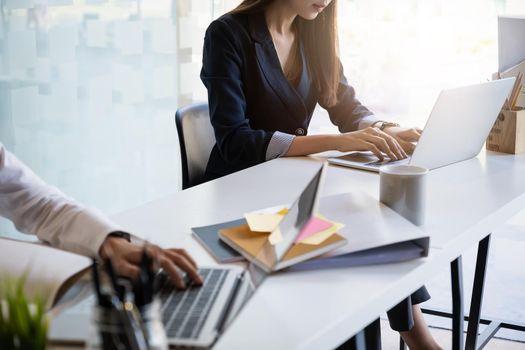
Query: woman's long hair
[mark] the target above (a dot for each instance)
(320, 43)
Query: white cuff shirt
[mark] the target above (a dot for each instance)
(40, 209)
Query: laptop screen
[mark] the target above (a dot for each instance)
(273, 250)
(288, 230)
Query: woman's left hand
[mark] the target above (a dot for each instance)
(405, 136)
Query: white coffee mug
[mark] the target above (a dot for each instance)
(403, 188)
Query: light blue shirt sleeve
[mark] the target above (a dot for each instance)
(368, 121)
(279, 145)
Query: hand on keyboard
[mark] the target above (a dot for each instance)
(405, 137)
(370, 139)
(126, 257)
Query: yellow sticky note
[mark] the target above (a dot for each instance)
(276, 236)
(263, 222)
(283, 211)
(321, 236)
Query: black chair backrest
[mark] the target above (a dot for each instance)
(196, 139)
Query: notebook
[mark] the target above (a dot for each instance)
(375, 234)
(280, 248)
(249, 243)
(208, 237)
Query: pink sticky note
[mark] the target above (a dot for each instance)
(313, 226)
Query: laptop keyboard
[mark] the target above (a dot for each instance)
(184, 312)
(379, 163)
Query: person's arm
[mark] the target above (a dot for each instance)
(348, 113)
(356, 124)
(406, 137)
(40, 209)
(221, 74)
(369, 139)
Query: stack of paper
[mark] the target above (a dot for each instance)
(374, 234)
(319, 235)
(257, 238)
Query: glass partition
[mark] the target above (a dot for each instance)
(89, 88)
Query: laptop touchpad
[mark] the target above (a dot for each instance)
(360, 157)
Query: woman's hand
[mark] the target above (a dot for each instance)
(405, 137)
(126, 258)
(371, 139)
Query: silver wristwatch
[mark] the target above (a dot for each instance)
(384, 124)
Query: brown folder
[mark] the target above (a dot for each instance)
(250, 244)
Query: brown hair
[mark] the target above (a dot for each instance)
(320, 43)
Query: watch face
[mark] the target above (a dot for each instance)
(388, 124)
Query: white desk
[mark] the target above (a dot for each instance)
(321, 309)
(466, 200)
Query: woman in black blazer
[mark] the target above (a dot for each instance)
(266, 65)
(262, 96)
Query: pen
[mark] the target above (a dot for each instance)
(131, 322)
(143, 287)
(102, 299)
(118, 288)
(127, 311)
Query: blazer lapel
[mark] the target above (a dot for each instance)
(271, 68)
(305, 85)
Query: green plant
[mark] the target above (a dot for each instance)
(23, 322)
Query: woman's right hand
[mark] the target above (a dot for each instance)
(371, 139)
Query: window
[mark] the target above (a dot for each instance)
(88, 89)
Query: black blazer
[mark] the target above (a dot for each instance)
(249, 97)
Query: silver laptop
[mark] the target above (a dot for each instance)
(456, 129)
(196, 317)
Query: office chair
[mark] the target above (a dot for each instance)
(196, 139)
